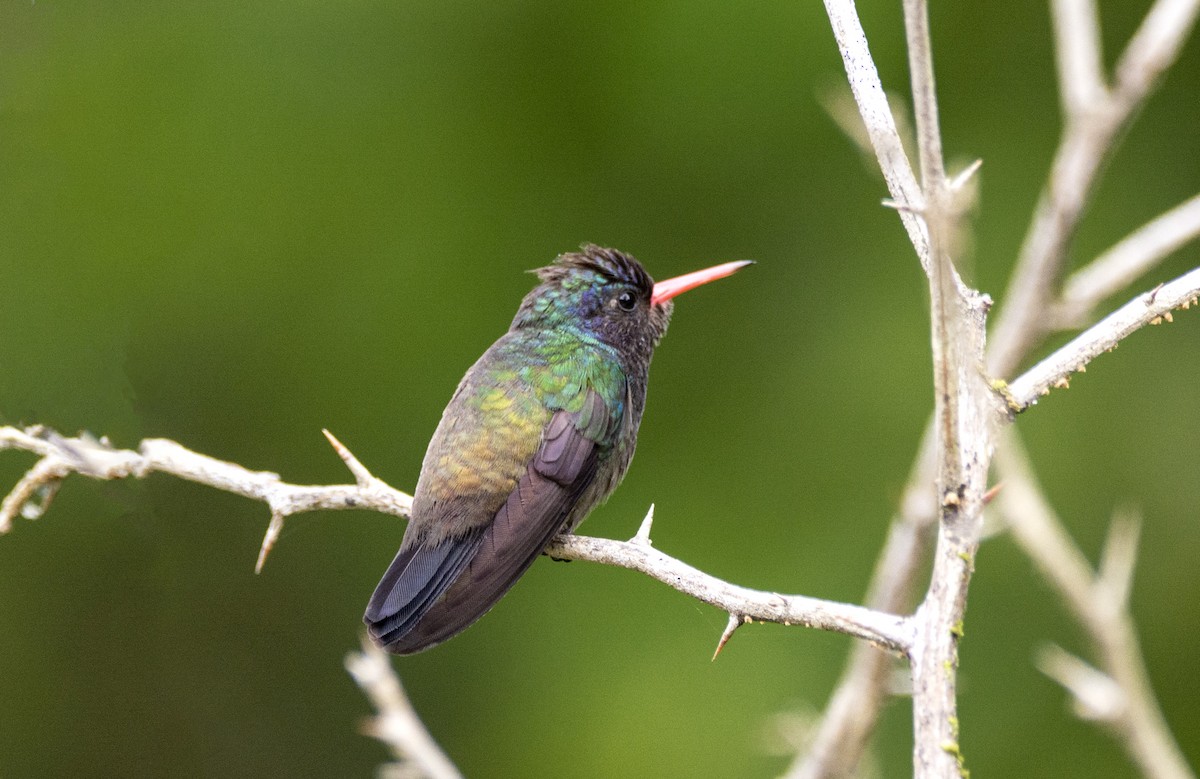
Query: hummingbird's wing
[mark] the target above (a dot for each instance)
(431, 592)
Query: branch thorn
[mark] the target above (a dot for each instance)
(959, 181)
(1097, 697)
(360, 472)
(269, 539)
(735, 622)
(33, 493)
(905, 208)
(643, 534)
(1115, 573)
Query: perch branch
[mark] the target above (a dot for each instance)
(886, 630)
(84, 455)
(1099, 601)
(397, 724)
(97, 459)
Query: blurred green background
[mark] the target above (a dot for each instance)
(233, 224)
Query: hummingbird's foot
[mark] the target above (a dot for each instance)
(558, 559)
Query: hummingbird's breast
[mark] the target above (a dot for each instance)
(494, 424)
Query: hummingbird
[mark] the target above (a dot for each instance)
(540, 431)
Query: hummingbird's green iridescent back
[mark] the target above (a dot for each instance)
(541, 429)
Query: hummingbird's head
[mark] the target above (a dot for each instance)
(608, 295)
(601, 292)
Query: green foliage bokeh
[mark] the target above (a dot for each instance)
(233, 224)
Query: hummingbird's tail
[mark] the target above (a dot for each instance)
(431, 593)
(412, 584)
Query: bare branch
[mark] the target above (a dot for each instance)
(1154, 48)
(853, 710)
(1153, 307)
(881, 126)
(1097, 696)
(1124, 263)
(61, 456)
(963, 416)
(885, 630)
(1089, 139)
(1077, 46)
(963, 423)
(1090, 136)
(397, 724)
(925, 109)
(1100, 606)
(1115, 573)
(83, 455)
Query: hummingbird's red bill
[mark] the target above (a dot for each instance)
(665, 290)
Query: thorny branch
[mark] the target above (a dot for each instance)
(852, 712)
(61, 456)
(742, 604)
(1124, 263)
(963, 424)
(880, 124)
(96, 458)
(1150, 308)
(1095, 117)
(397, 724)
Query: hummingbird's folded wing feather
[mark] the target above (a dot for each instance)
(414, 580)
(439, 590)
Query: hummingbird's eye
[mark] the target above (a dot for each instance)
(626, 301)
